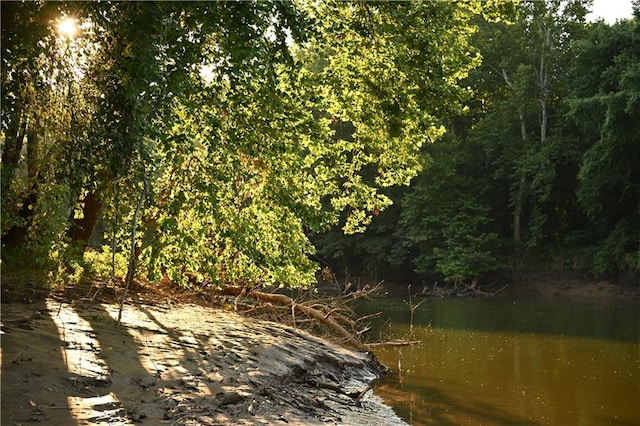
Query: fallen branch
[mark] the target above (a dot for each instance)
(15, 358)
(359, 394)
(393, 343)
(459, 289)
(355, 395)
(283, 300)
(368, 317)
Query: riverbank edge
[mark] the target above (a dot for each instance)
(188, 364)
(574, 288)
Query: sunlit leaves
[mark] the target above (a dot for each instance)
(247, 146)
(389, 71)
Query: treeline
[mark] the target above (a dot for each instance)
(538, 177)
(201, 142)
(224, 142)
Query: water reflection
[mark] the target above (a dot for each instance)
(500, 362)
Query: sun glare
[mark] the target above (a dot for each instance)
(67, 27)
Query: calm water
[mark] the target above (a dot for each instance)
(512, 362)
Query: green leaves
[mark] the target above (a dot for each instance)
(248, 146)
(276, 146)
(445, 217)
(389, 73)
(604, 107)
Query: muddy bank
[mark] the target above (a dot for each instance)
(179, 364)
(566, 288)
(574, 289)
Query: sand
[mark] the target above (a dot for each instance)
(177, 364)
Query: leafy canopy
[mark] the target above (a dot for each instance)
(232, 112)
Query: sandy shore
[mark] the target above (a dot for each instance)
(178, 364)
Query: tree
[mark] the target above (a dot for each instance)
(201, 129)
(45, 117)
(544, 154)
(445, 217)
(605, 107)
(531, 57)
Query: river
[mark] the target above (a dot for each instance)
(506, 361)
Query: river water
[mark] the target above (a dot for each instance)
(507, 361)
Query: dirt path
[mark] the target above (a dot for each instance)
(176, 364)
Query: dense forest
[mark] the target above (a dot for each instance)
(257, 142)
(539, 174)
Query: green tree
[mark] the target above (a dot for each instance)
(605, 107)
(419, 234)
(531, 57)
(200, 128)
(544, 155)
(46, 109)
(445, 218)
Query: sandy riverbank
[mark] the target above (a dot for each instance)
(178, 364)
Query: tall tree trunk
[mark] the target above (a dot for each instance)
(11, 153)
(517, 210)
(522, 182)
(10, 158)
(28, 195)
(522, 185)
(543, 77)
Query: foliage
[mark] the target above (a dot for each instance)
(263, 128)
(235, 134)
(99, 263)
(445, 218)
(546, 145)
(606, 106)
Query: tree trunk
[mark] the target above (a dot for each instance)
(543, 78)
(28, 195)
(522, 185)
(10, 158)
(133, 255)
(11, 155)
(517, 210)
(81, 229)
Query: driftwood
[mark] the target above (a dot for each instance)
(458, 289)
(321, 317)
(394, 343)
(356, 395)
(330, 314)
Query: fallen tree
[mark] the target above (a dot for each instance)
(324, 315)
(329, 313)
(313, 312)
